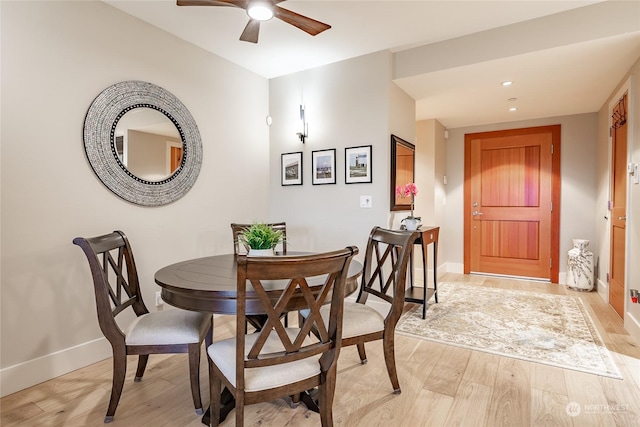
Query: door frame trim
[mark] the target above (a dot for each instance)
(556, 180)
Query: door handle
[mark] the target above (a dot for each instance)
(622, 218)
(474, 213)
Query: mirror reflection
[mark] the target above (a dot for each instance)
(148, 144)
(402, 170)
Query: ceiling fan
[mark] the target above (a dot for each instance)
(263, 10)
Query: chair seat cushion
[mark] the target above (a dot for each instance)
(223, 354)
(173, 326)
(358, 319)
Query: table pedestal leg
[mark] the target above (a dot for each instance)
(310, 399)
(228, 403)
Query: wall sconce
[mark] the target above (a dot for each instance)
(305, 129)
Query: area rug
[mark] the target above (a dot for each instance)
(551, 329)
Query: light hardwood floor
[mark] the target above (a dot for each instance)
(441, 386)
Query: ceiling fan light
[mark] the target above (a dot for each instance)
(260, 11)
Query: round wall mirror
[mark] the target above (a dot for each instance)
(148, 144)
(142, 143)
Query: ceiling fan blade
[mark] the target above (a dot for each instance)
(306, 24)
(250, 33)
(236, 3)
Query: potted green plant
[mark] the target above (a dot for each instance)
(260, 238)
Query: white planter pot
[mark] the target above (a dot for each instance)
(260, 252)
(411, 223)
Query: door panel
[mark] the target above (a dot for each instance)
(510, 239)
(508, 193)
(510, 176)
(619, 206)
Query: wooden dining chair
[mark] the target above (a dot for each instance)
(116, 286)
(237, 230)
(278, 361)
(384, 276)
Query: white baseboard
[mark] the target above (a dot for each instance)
(562, 278)
(26, 374)
(603, 290)
(452, 267)
(632, 325)
(447, 267)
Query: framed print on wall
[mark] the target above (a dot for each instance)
(291, 165)
(323, 166)
(357, 163)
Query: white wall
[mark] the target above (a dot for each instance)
(349, 103)
(578, 213)
(431, 170)
(430, 173)
(56, 58)
(425, 165)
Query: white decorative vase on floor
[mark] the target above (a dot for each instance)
(580, 273)
(260, 252)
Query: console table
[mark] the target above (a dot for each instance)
(427, 235)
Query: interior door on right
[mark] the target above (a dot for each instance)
(618, 205)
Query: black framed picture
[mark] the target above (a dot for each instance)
(291, 165)
(323, 166)
(357, 164)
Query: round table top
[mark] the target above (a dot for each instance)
(209, 284)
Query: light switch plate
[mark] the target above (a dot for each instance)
(365, 201)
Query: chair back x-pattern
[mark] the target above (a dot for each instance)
(383, 276)
(115, 280)
(306, 282)
(385, 265)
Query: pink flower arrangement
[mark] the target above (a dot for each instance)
(409, 190)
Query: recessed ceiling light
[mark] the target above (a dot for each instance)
(512, 99)
(513, 109)
(507, 83)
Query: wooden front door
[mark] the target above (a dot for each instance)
(512, 202)
(618, 205)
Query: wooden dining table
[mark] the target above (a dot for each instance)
(209, 284)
